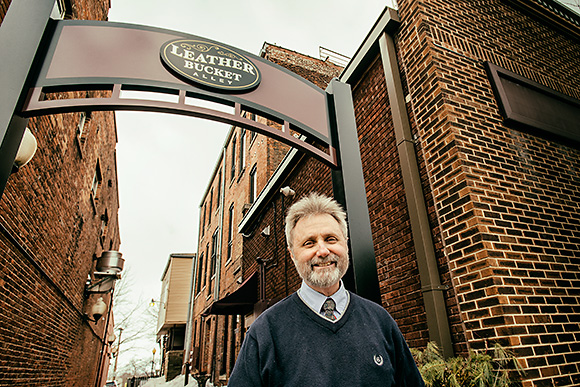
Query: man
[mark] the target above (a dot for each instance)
(323, 335)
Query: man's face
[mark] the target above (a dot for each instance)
(320, 252)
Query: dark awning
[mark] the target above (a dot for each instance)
(239, 302)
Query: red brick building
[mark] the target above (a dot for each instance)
(467, 116)
(243, 169)
(57, 214)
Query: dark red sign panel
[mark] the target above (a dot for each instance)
(103, 55)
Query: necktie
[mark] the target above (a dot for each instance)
(328, 309)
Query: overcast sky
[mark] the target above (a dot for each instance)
(165, 161)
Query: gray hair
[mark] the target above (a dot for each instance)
(314, 204)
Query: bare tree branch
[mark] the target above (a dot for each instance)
(138, 322)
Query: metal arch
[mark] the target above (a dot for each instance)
(36, 106)
(27, 41)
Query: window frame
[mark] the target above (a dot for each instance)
(253, 190)
(230, 233)
(233, 160)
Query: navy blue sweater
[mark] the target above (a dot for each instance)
(291, 345)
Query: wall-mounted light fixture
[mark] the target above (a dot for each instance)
(108, 270)
(98, 309)
(26, 151)
(153, 302)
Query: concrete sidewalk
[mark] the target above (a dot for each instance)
(177, 382)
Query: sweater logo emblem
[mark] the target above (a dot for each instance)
(378, 360)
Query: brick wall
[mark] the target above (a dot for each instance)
(52, 223)
(396, 261)
(506, 200)
(315, 70)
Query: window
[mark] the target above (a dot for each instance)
(83, 127)
(219, 188)
(206, 257)
(253, 117)
(233, 165)
(203, 222)
(199, 274)
(232, 345)
(104, 225)
(242, 154)
(525, 104)
(97, 180)
(225, 333)
(230, 232)
(210, 204)
(214, 247)
(253, 184)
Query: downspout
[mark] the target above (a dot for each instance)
(218, 271)
(189, 324)
(433, 297)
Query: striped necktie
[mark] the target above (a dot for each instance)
(328, 309)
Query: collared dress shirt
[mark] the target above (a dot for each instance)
(314, 299)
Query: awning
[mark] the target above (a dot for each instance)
(239, 302)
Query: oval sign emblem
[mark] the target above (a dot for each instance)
(210, 64)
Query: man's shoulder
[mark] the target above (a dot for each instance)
(368, 305)
(279, 308)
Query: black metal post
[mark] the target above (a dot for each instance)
(104, 341)
(21, 33)
(349, 190)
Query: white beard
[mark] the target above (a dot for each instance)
(326, 277)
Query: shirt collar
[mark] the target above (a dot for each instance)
(314, 299)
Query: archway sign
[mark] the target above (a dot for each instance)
(45, 56)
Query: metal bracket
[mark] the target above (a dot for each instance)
(103, 285)
(431, 288)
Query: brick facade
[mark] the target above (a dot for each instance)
(506, 200)
(217, 338)
(54, 221)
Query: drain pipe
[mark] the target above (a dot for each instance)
(218, 248)
(189, 321)
(433, 297)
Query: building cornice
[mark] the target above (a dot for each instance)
(551, 13)
(387, 22)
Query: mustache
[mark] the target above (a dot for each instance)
(327, 259)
